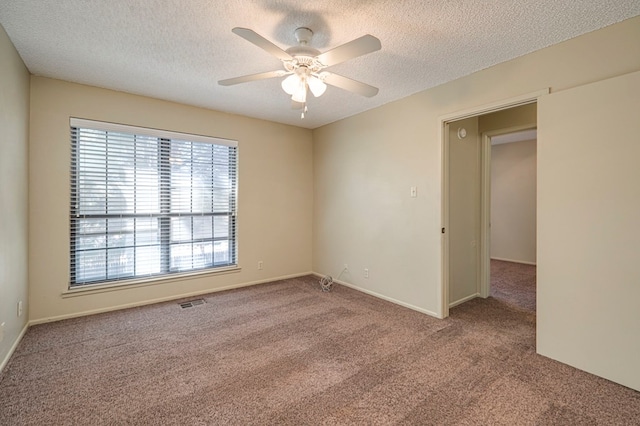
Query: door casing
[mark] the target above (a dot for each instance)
(444, 122)
(485, 204)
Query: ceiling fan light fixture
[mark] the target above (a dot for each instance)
(316, 86)
(300, 94)
(291, 84)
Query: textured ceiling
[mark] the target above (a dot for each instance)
(178, 49)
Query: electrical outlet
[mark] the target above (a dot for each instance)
(260, 264)
(366, 272)
(1, 332)
(20, 308)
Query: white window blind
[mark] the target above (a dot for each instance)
(146, 202)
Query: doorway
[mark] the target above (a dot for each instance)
(466, 138)
(510, 180)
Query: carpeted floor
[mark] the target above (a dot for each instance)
(514, 284)
(287, 354)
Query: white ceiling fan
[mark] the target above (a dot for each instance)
(305, 66)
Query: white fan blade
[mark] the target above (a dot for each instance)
(263, 43)
(353, 49)
(350, 85)
(251, 77)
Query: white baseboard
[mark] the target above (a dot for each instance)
(383, 297)
(464, 299)
(6, 359)
(524, 262)
(162, 299)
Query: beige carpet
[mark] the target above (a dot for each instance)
(514, 284)
(286, 353)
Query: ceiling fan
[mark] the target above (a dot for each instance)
(305, 66)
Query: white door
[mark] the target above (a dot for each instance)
(588, 291)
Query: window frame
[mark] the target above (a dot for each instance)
(164, 213)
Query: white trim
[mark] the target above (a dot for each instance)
(524, 262)
(163, 299)
(464, 299)
(383, 297)
(443, 290)
(485, 217)
(13, 348)
(83, 290)
(515, 137)
(147, 131)
(528, 98)
(511, 129)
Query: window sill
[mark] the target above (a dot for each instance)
(144, 282)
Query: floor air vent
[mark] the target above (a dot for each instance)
(192, 303)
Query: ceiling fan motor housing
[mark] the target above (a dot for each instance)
(303, 54)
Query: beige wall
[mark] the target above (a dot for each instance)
(521, 116)
(464, 207)
(513, 201)
(274, 201)
(364, 166)
(14, 189)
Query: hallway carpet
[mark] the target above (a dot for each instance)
(514, 284)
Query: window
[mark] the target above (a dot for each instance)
(148, 203)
